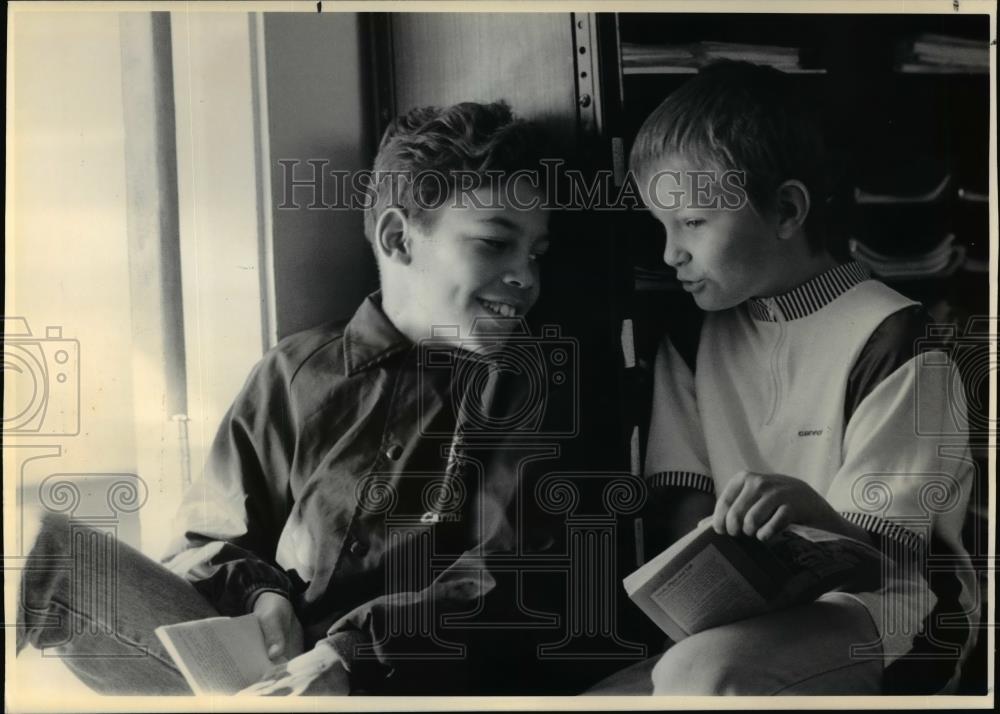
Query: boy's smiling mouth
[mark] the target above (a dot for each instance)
(501, 309)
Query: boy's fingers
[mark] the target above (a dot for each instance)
(274, 637)
(759, 514)
(275, 675)
(736, 514)
(281, 628)
(725, 500)
(737, 511)
(719, 517)
(776, 524)
(295, 638)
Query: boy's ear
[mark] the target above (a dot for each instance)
(392, 239)
(792, 207)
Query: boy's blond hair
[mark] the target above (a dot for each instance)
(748, 118)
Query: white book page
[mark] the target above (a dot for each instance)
(219, 655)
(706, 592)
(636, 579)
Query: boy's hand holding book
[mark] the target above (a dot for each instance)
(228, 655)
(318, 671)
(707, 579)
(763, 505)
(281, 628)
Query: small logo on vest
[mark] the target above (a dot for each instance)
(811, 432)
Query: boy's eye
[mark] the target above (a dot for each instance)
(694, 222)
(493, 243)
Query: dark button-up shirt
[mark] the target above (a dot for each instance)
(338, 477)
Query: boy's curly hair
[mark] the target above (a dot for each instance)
(469, 137)
(749, 118)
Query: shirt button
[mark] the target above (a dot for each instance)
(358, 549)
(394, 452)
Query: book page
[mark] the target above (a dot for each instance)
(219, 655)
(819, 561)
(706, 592)
(636, 579)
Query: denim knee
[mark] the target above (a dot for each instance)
(46, 540)
(704, 665)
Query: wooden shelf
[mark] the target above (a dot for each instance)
(950, 70)
(658, 70)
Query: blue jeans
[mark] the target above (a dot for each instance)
(95, 602)
(805, 650)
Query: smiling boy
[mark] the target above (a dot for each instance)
(325, 484)
(800, 406)
(475, 262)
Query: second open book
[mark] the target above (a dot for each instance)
(707, 579)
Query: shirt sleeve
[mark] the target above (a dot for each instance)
(907, 471)
(229, 522)
(906, 478)
(382, 639)
(675, 453)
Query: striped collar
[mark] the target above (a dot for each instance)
(810, 296)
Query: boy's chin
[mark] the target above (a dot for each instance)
(483, 346)
(492, 328)
(705, 302)
(714, 303)
(491, 334)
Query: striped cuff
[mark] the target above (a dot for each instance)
(682, 479)
(887, 529)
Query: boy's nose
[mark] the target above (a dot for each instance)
(521, 277)
(674, 256)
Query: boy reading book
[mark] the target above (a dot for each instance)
(799, 406)
(334, 479)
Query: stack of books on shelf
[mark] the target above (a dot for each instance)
(939, 262)
(783, 58)
(666, 59)
(866, 196)
(903, 219)
(638, 57)
(930, 53)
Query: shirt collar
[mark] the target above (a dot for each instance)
(370, 337)
(810, 296)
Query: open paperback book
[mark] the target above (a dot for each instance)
(217, 655)
(707, 579)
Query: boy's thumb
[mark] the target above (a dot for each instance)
(274, 639)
